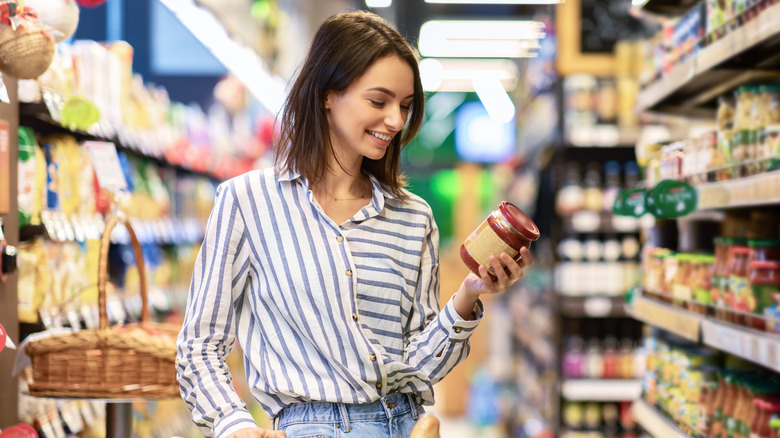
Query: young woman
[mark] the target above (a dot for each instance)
(324, 267)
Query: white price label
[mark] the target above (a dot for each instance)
(105, 161)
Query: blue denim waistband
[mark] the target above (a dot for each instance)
(389, 406)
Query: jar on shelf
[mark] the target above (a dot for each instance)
(770, 140)
(682, 292)
(768, 410)
(725, 119)
(774, 428)
(764, 250)
(764, 280)
(701, 283)
(507, 229)
(738, 296)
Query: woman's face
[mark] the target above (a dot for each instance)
(371, 111)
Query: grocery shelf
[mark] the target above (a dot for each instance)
(602, 390)
(592, 306)
(674, 320)
(744, 55)
(750, 191)
(37, 116)
(655, 422)
(756, 346)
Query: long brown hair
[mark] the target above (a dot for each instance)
(342, 49)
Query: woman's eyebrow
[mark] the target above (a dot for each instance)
(388, 92)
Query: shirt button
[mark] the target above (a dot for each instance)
(372, 357)
(339, 238)
(349, 272)
(457, 329)
(378, 385)
(354, 316)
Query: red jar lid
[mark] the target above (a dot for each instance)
(741, 250)
(764, 265)
(519, 220)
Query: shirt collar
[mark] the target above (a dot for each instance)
(375, 184)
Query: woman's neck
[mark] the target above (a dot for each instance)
(343, 184)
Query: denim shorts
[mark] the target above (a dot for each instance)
(393, 416)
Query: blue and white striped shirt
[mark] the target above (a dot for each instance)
(324, 312)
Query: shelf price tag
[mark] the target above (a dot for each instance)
(759, 347)
(663, 316)
(105, 161)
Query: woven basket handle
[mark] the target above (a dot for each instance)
(105, 242)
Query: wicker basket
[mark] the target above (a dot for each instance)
(27, 55)
(108, 362)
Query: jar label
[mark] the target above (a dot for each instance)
(484, 242)
(738, 297)
(764, 297)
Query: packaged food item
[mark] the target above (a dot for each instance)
(764, 281)
(507, 229)
(738, 295)
(701, 283)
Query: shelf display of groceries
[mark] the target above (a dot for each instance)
(745, 142)
(61, 213)
(738, 283)
(601, 349)
(708, 393)
(107, 100)
(598, 253)
(707, 34)
(599, 420)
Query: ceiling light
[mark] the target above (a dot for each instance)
(480, 38)
(498, 2)
(379, 3)
(447, 74)
(497, 103)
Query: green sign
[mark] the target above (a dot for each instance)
(630, 203)
(671, 198)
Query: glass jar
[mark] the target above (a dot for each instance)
(774, 428)
(771, 137)
(717, 424)
(764, 280)
(736, 298)
(717, 293)
(764, 250)
(507, 229)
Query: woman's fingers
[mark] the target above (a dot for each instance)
(514, 266)
(502, 279)
(526, 257)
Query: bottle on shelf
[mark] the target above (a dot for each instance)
(592, 192)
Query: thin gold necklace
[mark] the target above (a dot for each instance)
(362, 196)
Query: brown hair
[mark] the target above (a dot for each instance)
(342, 49)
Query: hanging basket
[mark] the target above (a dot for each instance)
(26, 54)
(108, 362)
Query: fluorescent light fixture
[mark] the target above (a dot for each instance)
(497, 2)
(493, 96)
(480, 38)
(379, 3)
(448, 74)
(239, 59)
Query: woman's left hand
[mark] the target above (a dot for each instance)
(485, 284)
(473, 286)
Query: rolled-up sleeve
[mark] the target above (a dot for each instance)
(438, 340)
(207, 334)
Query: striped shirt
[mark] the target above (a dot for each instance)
(323, 311)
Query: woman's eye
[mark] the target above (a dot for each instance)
(376, 103)
(406, 107)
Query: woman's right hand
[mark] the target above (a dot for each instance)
(256, 432)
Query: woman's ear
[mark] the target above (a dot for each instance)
(328, 97)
